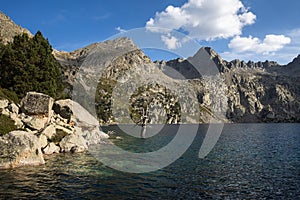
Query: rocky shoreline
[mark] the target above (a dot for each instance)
(45, 127)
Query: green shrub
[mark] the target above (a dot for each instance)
(6, 125)
(9, 95)
(60, 134)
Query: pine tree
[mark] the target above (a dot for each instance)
(27, 64)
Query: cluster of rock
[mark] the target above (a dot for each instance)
(46, 127)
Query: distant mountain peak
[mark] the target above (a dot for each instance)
(8, 29)
(296, 61)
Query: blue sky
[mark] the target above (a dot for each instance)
(247, 29)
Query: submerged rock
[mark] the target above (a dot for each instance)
(20, 148)
(73, 143)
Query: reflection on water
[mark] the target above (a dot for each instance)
(250, 161)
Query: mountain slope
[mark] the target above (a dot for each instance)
(8, 29)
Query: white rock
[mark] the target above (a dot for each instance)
(73, 111)
(43, 141)
(13, 108)
(36, 122)
(66, 130)
(49, 131)
(5, 112)
(51, 148)
(92, 137)
(73, 143)
(19, 148)
(4, 103)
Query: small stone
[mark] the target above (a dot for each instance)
(68, 131)
(36, 122)
(4, 103)
(13, 108)
(43, 141)
(49, 131)
(73, 143)
(5, 111)
(51, 148)
(119, 138)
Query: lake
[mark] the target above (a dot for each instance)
(249, 161)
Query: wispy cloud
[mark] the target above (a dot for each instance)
(56, 18)
(121, 30)
(101, 17)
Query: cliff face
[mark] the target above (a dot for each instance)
(8, 29)
(257, 92)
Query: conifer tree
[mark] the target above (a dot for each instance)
(27, 64)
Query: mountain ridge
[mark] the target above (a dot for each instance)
(253, 91)
(8, 29)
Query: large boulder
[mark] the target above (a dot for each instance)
(74, 112)
(37, 104)
(73, 143)
(20, 148)
(94, 136)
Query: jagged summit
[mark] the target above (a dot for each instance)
(8, 29)
(295, 62)
(76, 57)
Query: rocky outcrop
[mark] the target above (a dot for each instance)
(67, 128)
(256, 92)
(20, 148)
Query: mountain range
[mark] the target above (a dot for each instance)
(176, 91)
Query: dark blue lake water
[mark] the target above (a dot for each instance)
(250, 161)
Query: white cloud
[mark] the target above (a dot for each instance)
(170, 41)
(121, 30)
(271, 43)
(204, 19)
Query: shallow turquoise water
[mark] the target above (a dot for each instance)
(250, 161)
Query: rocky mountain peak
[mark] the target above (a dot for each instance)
(8, 29)
(295, 62)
